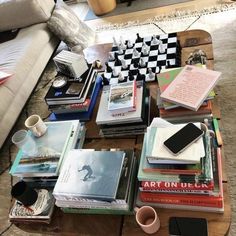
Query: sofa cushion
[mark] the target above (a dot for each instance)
(65, 24)
(21, 13)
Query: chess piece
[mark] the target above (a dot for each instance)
(130, 44)
(131, 77)
(122, 45)
(111, 56)
(114, 42)
(139, 39)
(142, 62)
(121, 78)
(155, 41)
(135, 52)
(140, 77)
(105, 81)
(108, 68)
(120, 51)
(161, 47)
(115, 73)
(145, 51)
(117, 60)
(124, 64)
(135, 64)
(151, 74)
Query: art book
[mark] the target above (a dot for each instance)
(122, 97)
(52, 147)
(191, 87)
(90, 174)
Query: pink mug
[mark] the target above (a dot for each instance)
(147, 219)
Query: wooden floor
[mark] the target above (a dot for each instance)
(150, 13)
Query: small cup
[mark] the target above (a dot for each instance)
(36, 125)
(23, 193)
(147, 219)
(25, 142)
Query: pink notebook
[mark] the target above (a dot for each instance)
(191, 87)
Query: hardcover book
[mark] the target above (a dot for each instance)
(122, 97)
(191, 87)
(52, 147)
(90, 174)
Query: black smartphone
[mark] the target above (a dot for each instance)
(184, 226)
(179, 141)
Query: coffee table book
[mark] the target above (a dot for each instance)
(52, 147)
(191, 87)
(90, 174)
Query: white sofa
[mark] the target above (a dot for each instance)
(24, 56)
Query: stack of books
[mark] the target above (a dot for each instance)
(186, 93)
(128, 113)
(191, 180)
(96, 182)
(70, 63)
(76, 99)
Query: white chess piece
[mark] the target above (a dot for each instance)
(114, 41)
(121, 77)
(151, 75)
(135, 52)
(115, 72)
(142, 62)
(122, 45)
(155, 41)
(129, 44)
(120, 50)
(111, 56)
(124, 64)
(161, 47)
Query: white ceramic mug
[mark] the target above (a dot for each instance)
(147, 219)
(36, 125)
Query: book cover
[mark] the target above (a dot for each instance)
(191, 87)
(90, 174)
(106, 117)
(51, 149)
(122, 97)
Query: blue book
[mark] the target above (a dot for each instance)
(82, 116)
(52, 147)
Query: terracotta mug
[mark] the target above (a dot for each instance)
(147, 219)
(36, 125)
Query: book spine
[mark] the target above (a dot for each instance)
(178, 191)
(193, 200)
(153, 185)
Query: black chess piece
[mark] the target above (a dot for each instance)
(131, 77)
(108, 68)
(139, 39)
(140, 77)
(117, 60)
(105, 81)
(136, 64)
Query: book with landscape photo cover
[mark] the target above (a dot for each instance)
(51, 149)
(191, 87)
(122, 97)
(90, 174)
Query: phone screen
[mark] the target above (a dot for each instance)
(183, 138)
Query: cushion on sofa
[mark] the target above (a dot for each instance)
(65, 24)
(21, 13)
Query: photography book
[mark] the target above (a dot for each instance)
(122, 97)
(70, 63)
(90, 174)
(106, 117)
(52, 146)
(191, 87)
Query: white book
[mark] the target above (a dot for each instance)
(192, 154)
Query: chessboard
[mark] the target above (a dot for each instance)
(143, 58)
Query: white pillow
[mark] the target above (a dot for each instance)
(69, 28)
(21, 13)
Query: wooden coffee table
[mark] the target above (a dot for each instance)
(75, 224)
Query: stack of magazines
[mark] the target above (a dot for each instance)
(96, 182)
